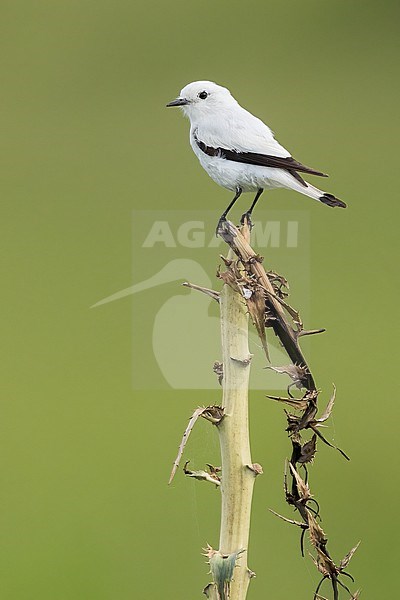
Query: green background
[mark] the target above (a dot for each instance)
(84, 507)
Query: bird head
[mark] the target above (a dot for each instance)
(203, 98)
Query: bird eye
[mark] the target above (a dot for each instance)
(203, 95)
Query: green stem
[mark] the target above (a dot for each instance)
(237, 478)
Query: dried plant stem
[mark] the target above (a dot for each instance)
(288, 327)
(237, 478)
(287, 335)
(249, 290)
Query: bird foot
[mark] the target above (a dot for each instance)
(221, 226)
(246, 219)
(226, 230)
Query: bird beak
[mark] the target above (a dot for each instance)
(178, 102)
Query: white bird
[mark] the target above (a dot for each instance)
(238, 150)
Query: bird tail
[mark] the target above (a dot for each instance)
(331, 200)
(324, 197)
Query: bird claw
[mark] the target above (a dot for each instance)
(226, 230)
(246, 219)
(220, 226)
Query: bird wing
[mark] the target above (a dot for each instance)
(237, 129)
(241, 137)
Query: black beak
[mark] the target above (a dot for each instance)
(178, 102)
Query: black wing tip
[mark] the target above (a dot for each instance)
(331, 200)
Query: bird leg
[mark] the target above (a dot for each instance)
(247, 214)
(223, 216)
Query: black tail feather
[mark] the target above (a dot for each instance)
(331, 200)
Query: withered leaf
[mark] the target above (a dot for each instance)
(304, 332)
(279, 283)
(212, 293)
(345, 561)
(295, 315)
(229, 278)
(319, 434)
(291, 521)
(308, 450)
(211, 475)
(211, 413)
(317, 534)
(302, 487)
(293, 402)
(297, 373)
(327, 412)
(214, 414)
(320, 567)
(308, 420)
(256, 307)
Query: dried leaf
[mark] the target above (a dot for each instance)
(345, 561)
(297, 373)
(317, 534)
(289, 309)
(293, 402)
(308, 419)
(256, 307)
(327, 412)
(302, 487)
(291, 521)
(214, 414)
(228, 277)
(211, 475)
(320, 567)
(212, 293)
(211, 413)
(279, 283)
(308, 450)
(319, 434)
(213, 469)
(310, 332)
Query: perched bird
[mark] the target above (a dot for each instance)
(238, 150)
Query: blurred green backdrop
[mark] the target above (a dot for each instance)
(85, 140)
